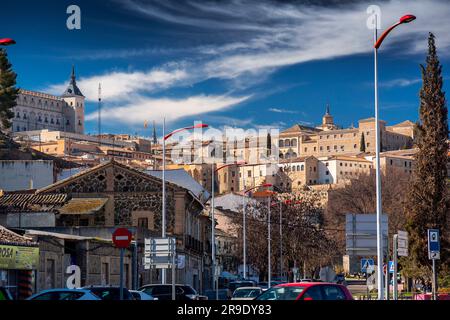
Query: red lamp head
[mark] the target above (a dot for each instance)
(266, 185)
(7, 42)
(407, 18)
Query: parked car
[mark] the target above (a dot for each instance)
(64, 294)
(164, 292)
(238, 284)
(246, 293)
(307, 291)
(141, 295)
(109, 292)
(5, 294)
(222, 294)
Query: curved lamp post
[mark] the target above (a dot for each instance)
(163, 222)
(7, 42)
(405, 19)
(215, 279)
(269, 267)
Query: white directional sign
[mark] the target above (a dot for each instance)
(402, 243)
(158, 252)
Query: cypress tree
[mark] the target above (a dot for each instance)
(427, 205)
(8, 91)
(362, 143)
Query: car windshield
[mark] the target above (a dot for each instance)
(189, 290)
(246, 293)
(281, 293)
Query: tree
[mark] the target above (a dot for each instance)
(304, 242)
(362, 143)
(428, 203)
(8, 91)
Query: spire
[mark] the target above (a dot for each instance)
(155, 140)
(327, 111)
(72, 89)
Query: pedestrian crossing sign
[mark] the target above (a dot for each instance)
(366, 264)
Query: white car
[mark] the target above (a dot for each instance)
(246, 293)
(140, 295)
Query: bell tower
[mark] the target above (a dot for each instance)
(75, 100)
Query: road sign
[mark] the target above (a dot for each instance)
(402, 243)
(391, 266)
(122, 238)
(365, 264)
(434, 247)
(159, 252)
(361, 233)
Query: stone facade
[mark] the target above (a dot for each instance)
(36, 110)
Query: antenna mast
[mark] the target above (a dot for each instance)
(99, 112)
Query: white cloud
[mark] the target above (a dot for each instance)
(120, 85)
(400, 82)
(145, 108)
(277, 110)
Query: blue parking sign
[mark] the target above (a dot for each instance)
(434, 246)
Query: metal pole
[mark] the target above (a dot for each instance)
(281, 242)
(213, 241)
(394, 259)
(163, 271)
(135, 266)
(433, 283)
(121, 272)
(388, 273)
(244, 247)
(378, 178)
(173, 245)
(269, 269)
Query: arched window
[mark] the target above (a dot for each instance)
(303, 167)
(287, 143)
(298, 168)
(281, 156)
(281, 143)
(294, 155)
(294, 142)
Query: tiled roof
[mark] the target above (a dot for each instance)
(26, 202)
(83, 205)
(298, 128)
(8, 237)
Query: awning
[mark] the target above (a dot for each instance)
(83, 205)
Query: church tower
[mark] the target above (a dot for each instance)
(327, 120)
(75, 100)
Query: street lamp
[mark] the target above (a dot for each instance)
(163, 222)
(7, 42)
(405, 19)
(213, 226)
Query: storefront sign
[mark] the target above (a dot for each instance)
(18, 257)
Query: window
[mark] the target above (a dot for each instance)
(105, 273)
(328, 148)
(327, 173)
(281, 143)
(18, 115)
(340, 163)
(321, 148)
(50, 273)
(287, 143)
(333, 293)
(46, 120)
(233, 173)
(24, 115)
(314, 169)
(249, 173)
(367, 133)
(354, 146)
(84, 222)
(406, 164)
(298, 168)
(315, 149)
(335, 147)
(391, 162)
(306, 149)
(303, 167)
(293, 143)
(368, 144)
(142, 222)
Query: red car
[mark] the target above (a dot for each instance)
(306, 291)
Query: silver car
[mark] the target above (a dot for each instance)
(246, 293)
(64, 294)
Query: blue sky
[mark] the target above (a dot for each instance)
(227, 63)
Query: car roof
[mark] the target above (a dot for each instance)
(305, 284)
(65, 290)
(251, 288)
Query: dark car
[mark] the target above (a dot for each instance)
(164, 292)
(307, 291)
(110, 293)
(5, 294)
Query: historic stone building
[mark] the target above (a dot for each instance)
(111, 195)
(328, 140)
(36, 110)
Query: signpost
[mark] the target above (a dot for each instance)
(122, 238)
(400, 249)
(160, 253)
(434, 253)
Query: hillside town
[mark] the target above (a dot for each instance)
(238, 207)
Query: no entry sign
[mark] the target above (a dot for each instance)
(122, 238)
